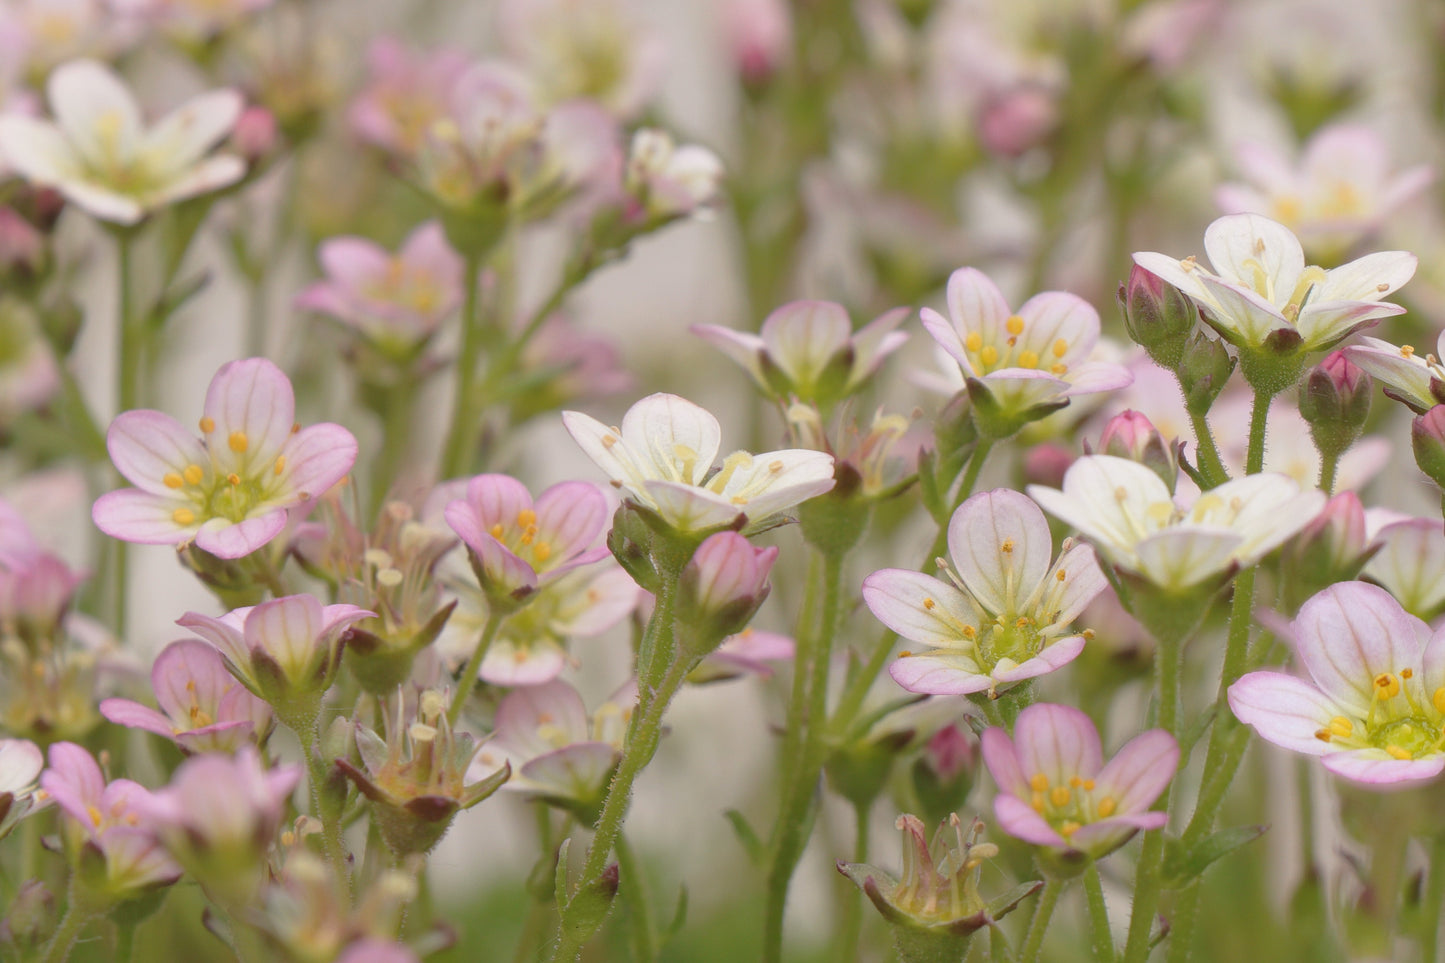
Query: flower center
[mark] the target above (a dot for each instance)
(520, 538)
(1071, 804)
(1014, 351)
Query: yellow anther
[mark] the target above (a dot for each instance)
(280, 464)
(193, 474)
(497, 531)
(1061, 348)
(1068, 828)
(1407, 350)
(1189, 263)
(1028, 359)
(905, 654)
(974, 341)
(526, 518)
(609, 440)
(774, 467)
(1088, 785)
(542, 551)
(969, 633)
(208, 425)
(183, 516)
(238, 442)
(1060, 796)
(1387, 685)
(1040, 782)
(1323, 735)
(1075, 781)
(1438, 700)
(1058, 369)
(94, 814)
(1061, 575)
(1038, 802)
(930, 604)
(1407, 673)
(1023, 622)
(173, 480)
(233, 479)
(1014, 324)
(1006, 546)
(1107, 807)
(1399, 753)
(989, 355)
(1341, 726)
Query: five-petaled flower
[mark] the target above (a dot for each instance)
(1041, 354)
(1128, 513)
(1416, 380)
(229, 490)
(1374, 710)
(662, 456)
(99, 154)
(1261, 294)
(1055, 789)
(1005, 613)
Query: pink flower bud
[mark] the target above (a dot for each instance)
(760, 34)
(1331, 548)
(721, 587)
(1159, 317)
(1131, 435)
(1335, 400)
(22, 249)
(255, 134)
(1017, 120)
(1427, 438)
(1045, 464)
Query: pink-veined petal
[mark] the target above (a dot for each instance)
(1019, 820)
(253, 408)
(1001, 546)
(226, 539)
(132, 515)
(1378, 768)
(919, 607)
(1353, 632)
(1053, 656)
(147, 446)
(677, 438)
(1139, 771)
(940, 673)
(1284, 710)
(1058, 741)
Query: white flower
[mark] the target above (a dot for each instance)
(1417, 381)
(100, 155)
(1126, 510)
(1262, 293)
(663, 457)
(672, 181)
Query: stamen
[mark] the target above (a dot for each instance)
(233, 479)
(1399, 753)
(1015, 325)
(974, 341)
(173, 480)
(1028, 359)
(280, 464)
(1407, 350)
(1006, 546)
(930, 604)
(1039, 782)
(1386, 685)
(208, 425)
(989, 355)
(183, 516)
(1061, 348)
(1438, 700)
(542, 551)
(526, 518)
(1107, 807)
(238, 442)
(193, 474)
(1060, 796)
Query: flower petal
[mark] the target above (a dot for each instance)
(920, 607)
(1058, 741)
(253, 410)
(1284, 710)
(672, 438)
(132, 515)
(1378, 768)
(1000, 543)
(1353, 632)
(1140, 771)
(940, 673)
(147, 446)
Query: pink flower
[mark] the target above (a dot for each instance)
(557, 753)
(517, 545)
(808, 349)
(405, 94)
(397, 302)
(749, 651)
(1005, 613)
(219, 816)
(1374, 707)
(36, 586)
(205, 708)
(283, 649)
(106, 818)
(1041, 354)
(229, 490)
(1056, 791)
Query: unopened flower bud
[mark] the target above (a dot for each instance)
(31, 918)
(760, 35)
(1331, 548)
(1131, 435)
(1159, 317)
(1335, 400)
(22, 248)
(1427, 438)
(1204, 368)
(1017, 120)
(255, 134)
(1045, 464)
(943, 774)
(720, 590)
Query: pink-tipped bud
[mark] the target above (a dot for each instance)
(1335, 400)
(1427, 438)
(1331, 548)
(760, 35)
(255, 134)
(1017, 120)
(1131, 435)
(944, 772)
(22, 248)
(1159, 317)
(721, 588)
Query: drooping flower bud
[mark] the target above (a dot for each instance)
(1335, 400)
(1132, 435)
(720, 590)
(944, 773)
(1427, 438)
(1204, 369)
(1159, 317)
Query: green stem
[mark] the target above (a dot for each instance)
(634, 890)
(128, 372)
(1039, 924)
(1211, 466)
(970, 477)
(395, 440)
(468, 679)
(1258, 422)
(316, 773)
(643, 733)
(77, 914)
(851, 929)
(504, 363)
(1103, 937)
(1329, 463)
(810, 718)
(794, 727)
(456, 452)
(125, 942)
(1434, 906)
